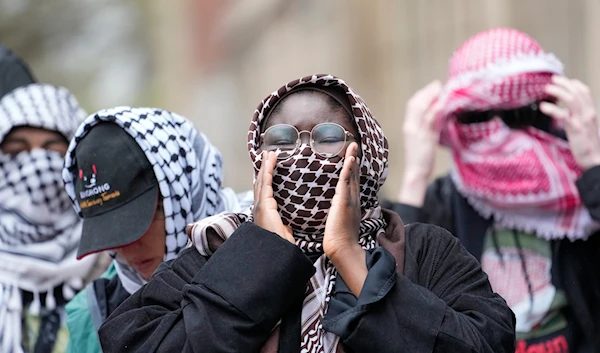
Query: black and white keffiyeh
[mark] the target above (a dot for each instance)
(39, 230)
(188, 168)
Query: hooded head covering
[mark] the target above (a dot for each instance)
(14, 72)
(187, 166)
(320, 174)
(296, 182)
(39, 231)
(523, 178)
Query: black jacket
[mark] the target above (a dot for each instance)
(575, 265)
(231, 302)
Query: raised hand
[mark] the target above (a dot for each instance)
(575, 109)
(265, 211)
(342, 228)
(420, 143)
(343, 220)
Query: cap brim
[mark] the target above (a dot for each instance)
(120, 226)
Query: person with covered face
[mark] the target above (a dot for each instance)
(318, 265)
(39, 230)
(523, 192)
(137, 176)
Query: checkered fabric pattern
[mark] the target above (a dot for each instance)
(500, 68)
(304, 186)
(374, 145)
(187, 166)
(41, 106)
(31, 188)
(34, 207)
(39, 231)
(497, 69)
(523, 178)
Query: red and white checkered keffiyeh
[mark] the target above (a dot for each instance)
(524, 178)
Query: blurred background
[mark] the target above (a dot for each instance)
(214, 60)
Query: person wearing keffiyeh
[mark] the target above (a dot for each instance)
(39, 230)
(522, 194)
(317, 265)
(137, 176)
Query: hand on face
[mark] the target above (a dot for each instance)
(343, 221)
(578, 115)
(420, 142)
(265, 211)
(420, 139)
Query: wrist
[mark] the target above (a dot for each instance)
(590, 162)
(351, 265)
(341, 253)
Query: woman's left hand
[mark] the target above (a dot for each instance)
(343, 225)
(343, 220)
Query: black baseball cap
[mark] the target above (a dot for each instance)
(115, 187)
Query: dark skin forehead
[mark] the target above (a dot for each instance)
(305, 111)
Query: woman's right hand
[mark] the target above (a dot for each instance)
(577, 112)
(420, 143)
(265, 211)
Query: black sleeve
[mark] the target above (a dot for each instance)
(228, 304)
(344, 309)
(436, 208)
(451, 309)
(589, 190)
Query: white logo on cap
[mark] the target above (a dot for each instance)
(92, 188)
